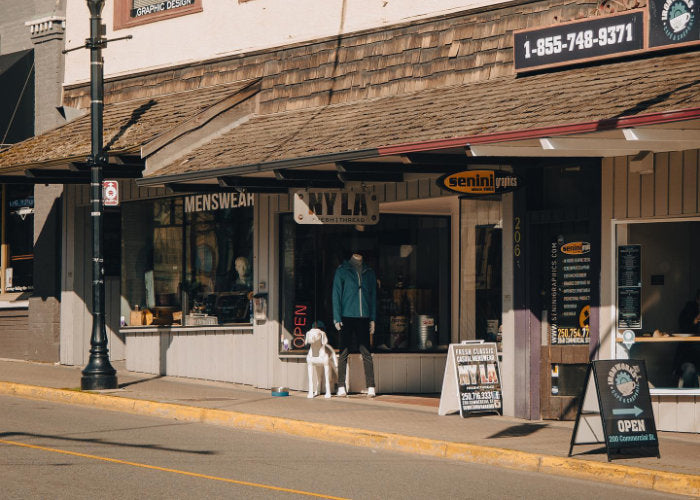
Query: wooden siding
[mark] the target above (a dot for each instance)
(14, 334)
(671, 190)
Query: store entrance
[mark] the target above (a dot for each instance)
(562, 284)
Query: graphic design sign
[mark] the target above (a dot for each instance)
(335, 206)
(480, 182)
(570, 291)
(621, 412)
(472, 381)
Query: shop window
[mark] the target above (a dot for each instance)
(128, 13)
(411, 258)
(658, 300)
(188, 259)
(18, 239)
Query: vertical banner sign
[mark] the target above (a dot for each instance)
(472, 381)
(629, 286)
(620, 412)
(110, 193)
(570, 291)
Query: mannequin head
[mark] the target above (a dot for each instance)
(242, 268)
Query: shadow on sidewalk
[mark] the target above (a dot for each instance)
(8, 435)
(521, 430)
(134, 382)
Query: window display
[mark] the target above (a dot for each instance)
(410, 255)
(188, 260)
(665, 332)
(19, 238)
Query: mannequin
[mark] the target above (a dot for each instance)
(354, 314)
(242, 269)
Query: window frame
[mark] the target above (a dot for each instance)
(123, 19)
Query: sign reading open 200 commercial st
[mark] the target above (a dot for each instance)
(335, 206)
(480, 182)
(667, 22)
(623, 402)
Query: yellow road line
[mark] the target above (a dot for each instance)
(165, 469)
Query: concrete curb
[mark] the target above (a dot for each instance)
(667, 482)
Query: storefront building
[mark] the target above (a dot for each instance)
(263, 170)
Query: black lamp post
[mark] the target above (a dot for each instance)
(99, 373)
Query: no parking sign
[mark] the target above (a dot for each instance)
(110, 193)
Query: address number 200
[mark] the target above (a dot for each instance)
(579, 40)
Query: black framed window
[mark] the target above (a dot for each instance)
(188, 259)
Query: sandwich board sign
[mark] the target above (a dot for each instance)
(472, 380)
(615, 409)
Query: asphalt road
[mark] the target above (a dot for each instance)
(51, 450)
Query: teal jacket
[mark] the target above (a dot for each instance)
(354, 294)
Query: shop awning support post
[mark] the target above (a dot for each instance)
(99, 373)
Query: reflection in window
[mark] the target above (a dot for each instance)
(187, 260)
(669, 339)
(19, 238)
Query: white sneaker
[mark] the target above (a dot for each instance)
(370, 392)
(341, 392)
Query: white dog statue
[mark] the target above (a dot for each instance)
(320, 354)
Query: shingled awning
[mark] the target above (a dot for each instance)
(584, 100)
(127, 127)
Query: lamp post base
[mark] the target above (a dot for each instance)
(98, 381)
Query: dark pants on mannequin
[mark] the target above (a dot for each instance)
(354, 334)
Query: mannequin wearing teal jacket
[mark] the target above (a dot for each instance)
(354, 313)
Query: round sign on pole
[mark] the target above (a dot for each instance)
(110, 193)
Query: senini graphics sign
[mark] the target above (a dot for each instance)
(480, 182)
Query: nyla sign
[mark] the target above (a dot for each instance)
(335, 206)
(480, 182)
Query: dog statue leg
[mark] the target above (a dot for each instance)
(311, 380)
(326, 370)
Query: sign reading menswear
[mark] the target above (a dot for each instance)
(335, 206)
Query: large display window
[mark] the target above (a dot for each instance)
(188, 261)
(410, 255)
(658, 300)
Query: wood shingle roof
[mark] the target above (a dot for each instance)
(593, 94)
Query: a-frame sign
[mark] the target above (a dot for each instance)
(472, 380)
(615, 409)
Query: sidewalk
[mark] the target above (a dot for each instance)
(400, 423)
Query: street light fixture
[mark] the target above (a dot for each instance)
(99, 373)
